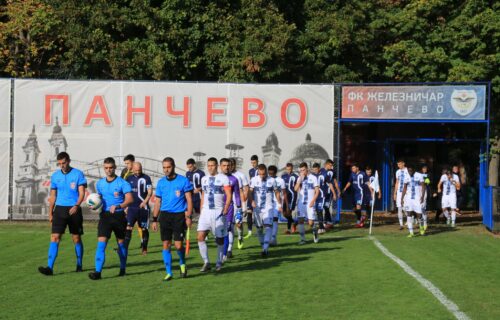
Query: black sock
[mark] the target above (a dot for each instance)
(249, 222)
(358, 214)
(320, 220)
(145, 239)
(128, 237)
(289, 222)
(328, 215)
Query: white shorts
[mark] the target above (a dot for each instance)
(398, 199)
(449, 201)
(263, 217)
(214, 221)
(413, 205)
(305, 212)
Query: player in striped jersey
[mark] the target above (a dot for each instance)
(307, 186)
(280, 183)
(412, 198)
(401, 175)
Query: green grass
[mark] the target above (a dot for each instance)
(344, 276)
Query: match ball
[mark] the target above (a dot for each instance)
(94, 201)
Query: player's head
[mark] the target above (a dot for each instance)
(63, 161)
(232, 163)
(315, 168)
(329, 164)
(289, 168)
(212, 166)
(137, 168)
(455, 169)
(225, 166)
(272, 170)
(109, 167)
(410, 169)
(191, 164)
(168, 165)
(262, 170)
(129, 161)
(424, 168)
(303, 169)
(368, 170)
(355, 168)
(401, 163)
(254, 160)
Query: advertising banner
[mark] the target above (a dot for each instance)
(4, 146)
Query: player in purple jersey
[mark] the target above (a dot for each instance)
(194, 176)
(233, 208)
(290, 202)
(138, 211)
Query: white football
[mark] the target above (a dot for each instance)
(94, 201)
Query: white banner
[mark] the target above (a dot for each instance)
(4, 147)
(92, 120)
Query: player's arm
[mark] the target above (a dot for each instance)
(313, 200)
(52, 202)
(81, 196)
(456, 183)
(422, 192)
(229, 198)
(298, 184)
(332, 189)
(403, 193)
(250, 197)
(348, 184)
(126, 202)
(156, 212)
(396, 187)
(189, 210)
(285, 198)
(337, 187)
(439, 185)
(202, 196)
(144, 204)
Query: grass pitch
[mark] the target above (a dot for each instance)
(344, 276)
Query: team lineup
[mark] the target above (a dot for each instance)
(224, 197)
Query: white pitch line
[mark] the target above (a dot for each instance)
(450, 305)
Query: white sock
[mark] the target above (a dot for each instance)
(202, 245)
(302, 231)
(453, 216)
(267, 237)
(400, 216)
(230, 236)
(409, 222)
(240, 232)
(260, 233)
(424, 216)
(446, 214)
(275, 230)
(220, 253)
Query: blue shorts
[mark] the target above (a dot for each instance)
(292, 199)
(320, 204)
(357, 199)
(139, 215)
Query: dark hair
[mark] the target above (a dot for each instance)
(262, 167)
(316, 165)
(190, 161)
(273, 168)
(410, 166)
(212, 159)
(129, 157)
(368, 168)
(302, 165)
(63, 156)
(401, 160)
(110, 160)
(169, 160)
(355, 165)
(254, 158)
(330, 161)
(289, 164)
(224, 160)
(233, 161)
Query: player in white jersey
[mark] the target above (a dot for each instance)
(216, 198)
(238, 217)
(424, 171)
(448, 185)
(401, 175)
(308, 188)
(412, 198)
(262, 196)
(280, 183)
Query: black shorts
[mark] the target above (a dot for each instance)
(112, 222)
(61, 218)
(172, 224)
(139, 215)
(196, 203)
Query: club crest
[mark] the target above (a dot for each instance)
(178, 193)
(463, 101)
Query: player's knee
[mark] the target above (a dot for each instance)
(167, 245)
(55, 237)
(128, 234)
(129, 227)
(201, 237)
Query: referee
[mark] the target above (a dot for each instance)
(174, 206)
(116, 195)
(67, 190)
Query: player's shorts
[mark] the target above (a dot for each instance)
(112, 223)
(61, 218)
(328, 200)
(214, 221)
(263, 216)
(230, 214)
(367, 201)
(306, 212)
(357, 199)
(139, 215)
(172, 224)
(196, 203)
(398, 199)
(276, 213)
(292, 199)
(449, 201)
(413, 205)
(320, 204)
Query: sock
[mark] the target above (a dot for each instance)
(275, 231)
(122, 253)
(267, 237)
(358, 214)
(128, 237)
(314, 228)
(240, 232)
(167, 260)
(409, 222)
(231, 241)
(100, 255)
(320, 220)
(289, 222)
(453, 216)
(226, 244)
(328, 215)
(145, 239)
(302, 231)
(420, 221)
(249, 222)
(220, 253)
(182, 256)
(446, 214)
(400, 216)
(79, 253)
(53, 250)
(260, 233)
(202, 245)
(139, 230)
(424, 217)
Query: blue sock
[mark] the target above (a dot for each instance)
(167, 259)
(100, 255)
(182, 256)
(226, 244)
(122, 253)
(53, 249)
(79, 253)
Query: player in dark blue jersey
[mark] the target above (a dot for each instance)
(138, 211)
(290, 179)
(67, 190)
(253, 172)
(357, 180)
(320, 201)
(194, 176)
(116, 195)
(332, 194)
(368, 198)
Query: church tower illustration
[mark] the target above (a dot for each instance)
(271, 151)
(28, 181)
